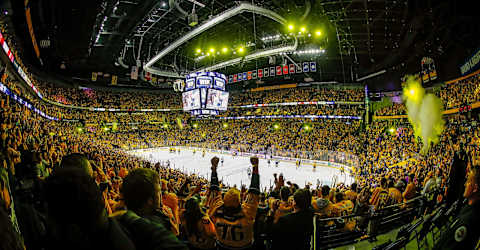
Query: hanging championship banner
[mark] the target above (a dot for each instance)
(94, 76)
(292, 68)
(260, 73)
(279, 70)
(306, 67)
(313, 67)
(134, 73)
(114, 79)
(299, 68)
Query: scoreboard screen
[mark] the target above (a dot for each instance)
(217, 99)
(191, 100)
(205, 93)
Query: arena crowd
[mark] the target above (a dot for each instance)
(71, 185)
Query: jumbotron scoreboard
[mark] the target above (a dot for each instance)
(204, 93)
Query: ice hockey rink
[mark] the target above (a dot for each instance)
(234, 169)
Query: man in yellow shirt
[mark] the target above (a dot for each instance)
(234, 219)
(322, 206)
(351, 194)
(410, 191)
(395, 196)
(380, 195)
(343, 208)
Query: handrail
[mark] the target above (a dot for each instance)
(376, 213)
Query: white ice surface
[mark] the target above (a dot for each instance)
(234, 169)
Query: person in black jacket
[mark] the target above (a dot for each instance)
(77, 218)
(463, 232)
(141, 191)
(294, 230)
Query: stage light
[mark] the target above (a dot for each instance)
(199, 51)
(303, 29)
(212, 50)
(241, 49)
(291, 27)
(225, 125)
(318, 33)
(224, 50)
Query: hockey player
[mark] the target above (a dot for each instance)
(234, 219)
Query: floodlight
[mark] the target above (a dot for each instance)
(224, 50)
(212, 50)
(291, 27)
(303, 29)
(199, 51)
(318, 33)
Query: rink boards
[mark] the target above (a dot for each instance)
(234, 170)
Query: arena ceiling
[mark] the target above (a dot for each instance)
(360, 37)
